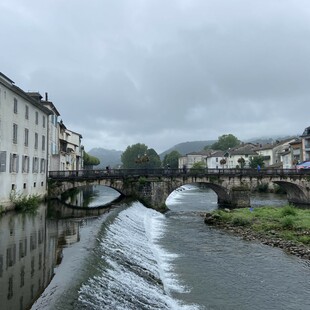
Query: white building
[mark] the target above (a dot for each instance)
(23, 143)
(274, 153)
(214, 160)
(191, 158)
(71, 151)
(243, 152)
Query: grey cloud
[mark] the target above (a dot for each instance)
(163, 72)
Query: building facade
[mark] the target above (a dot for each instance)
(305, 140)
(23, 143)
(32, 142)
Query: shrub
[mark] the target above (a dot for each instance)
(288, 210)
(240, 221)
(287, 222)
(25, 203)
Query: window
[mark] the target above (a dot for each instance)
(25, 164)
(43, 143)
(35, 165)
(15, 133)
(2, 161)
(15, 105)
(37, 118)
(36, 140)
(13, 163)
(43, 121)
(26, 136)
(26, 112)
(42, 165)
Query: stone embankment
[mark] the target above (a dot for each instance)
(270, 238)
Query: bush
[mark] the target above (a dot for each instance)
(25, 203)
(288, 210)
(287, 222)
(240, 221)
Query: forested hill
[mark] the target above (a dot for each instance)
(188, 147)
(110, 158)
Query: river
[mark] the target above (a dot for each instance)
(126, 256)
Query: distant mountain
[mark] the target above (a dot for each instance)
(188, 147)
(110, 158)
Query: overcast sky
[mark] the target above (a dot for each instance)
(161, 72)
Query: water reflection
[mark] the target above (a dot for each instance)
(31, 247)
(93, 196)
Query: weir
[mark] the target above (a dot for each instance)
(153, 186)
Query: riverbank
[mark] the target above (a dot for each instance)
(287, 228)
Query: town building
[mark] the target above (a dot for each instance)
(240, 156)
(190, 159)
(214, 160)
(23, 143)
(32, 142)
(305, 140)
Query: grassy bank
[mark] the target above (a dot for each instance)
(287, 223)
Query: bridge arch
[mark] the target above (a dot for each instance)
(295, 193)
(223, 194)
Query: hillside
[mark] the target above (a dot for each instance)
(110, 158)
(188, 147)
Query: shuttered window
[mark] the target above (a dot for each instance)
(2, 161)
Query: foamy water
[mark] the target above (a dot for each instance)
(135, 272)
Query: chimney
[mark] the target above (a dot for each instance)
(46, 96)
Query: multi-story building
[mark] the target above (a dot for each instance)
(23, 143)
(305, 140)
(71, 151)
(240, 156)
(214, 160)
(191, 158)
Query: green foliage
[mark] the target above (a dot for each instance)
(288, 223)
(142, 180)
(198, 167)
(241, 221)
(225, 142)
(90, 160)
(139, 156)
(25, 203)
(288, 210)
(172, 159)
(257, 160)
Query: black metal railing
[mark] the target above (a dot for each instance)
(157, 172)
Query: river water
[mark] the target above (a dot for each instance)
(127, 256)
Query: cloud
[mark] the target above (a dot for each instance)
(163, 72)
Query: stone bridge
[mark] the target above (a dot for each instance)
(153, 186)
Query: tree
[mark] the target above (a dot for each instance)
(139, 156)
(154, 159)
(257, 160)
(172, 159)
(225, 142)
(198, 167)
(90, 160)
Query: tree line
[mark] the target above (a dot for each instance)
(140, 156)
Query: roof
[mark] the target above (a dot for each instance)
(306, 132)
(10, 85)
(243, 150)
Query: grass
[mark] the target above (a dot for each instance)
(288, 223)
